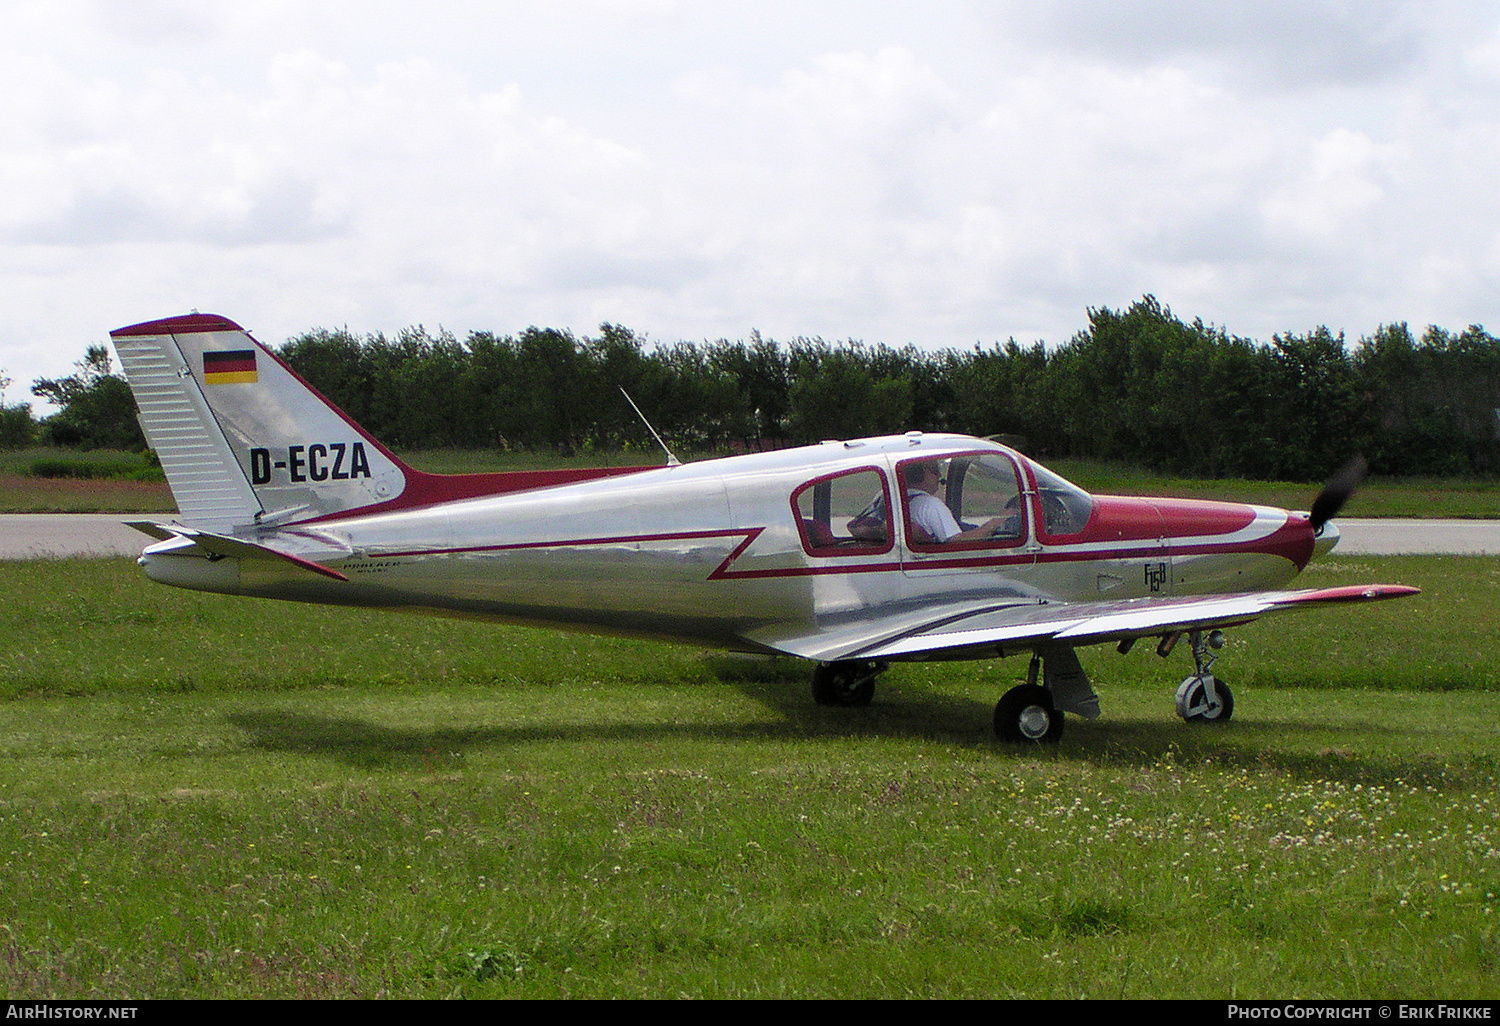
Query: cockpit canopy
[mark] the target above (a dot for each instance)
(982, 497)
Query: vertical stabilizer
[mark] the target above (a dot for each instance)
(242, 439)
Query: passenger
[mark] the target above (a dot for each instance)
(869, 525)
(930, 516)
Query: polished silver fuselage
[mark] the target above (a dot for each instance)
(711, 553)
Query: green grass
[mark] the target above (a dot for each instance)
(50, 480)
(1471, 498)
(203, 796)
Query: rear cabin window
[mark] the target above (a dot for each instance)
(845, 514)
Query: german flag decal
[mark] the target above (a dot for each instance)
(234, 367)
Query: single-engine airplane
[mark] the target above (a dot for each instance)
(852, 554)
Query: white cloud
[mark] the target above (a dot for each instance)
(1268, 44)
(1339, 185)
(959, 173)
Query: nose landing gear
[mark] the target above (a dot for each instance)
(1202, 697)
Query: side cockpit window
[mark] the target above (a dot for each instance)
(844, 514)
(972, 499)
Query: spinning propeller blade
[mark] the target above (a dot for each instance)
(1337, 491)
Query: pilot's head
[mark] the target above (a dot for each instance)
(925, 475)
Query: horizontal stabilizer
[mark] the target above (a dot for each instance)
(154, 530)
(219, 546)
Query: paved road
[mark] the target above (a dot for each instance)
(30, 535)
(1418, 537)
(33, 535)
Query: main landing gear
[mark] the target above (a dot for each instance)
(849, 682)
(1032, 713)
(1025, 714)
(1204, 698)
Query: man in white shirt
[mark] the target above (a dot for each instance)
(931, 515)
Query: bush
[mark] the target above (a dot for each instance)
(92, 468)
(17, 427)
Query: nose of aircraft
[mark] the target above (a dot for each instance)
(1325, 538)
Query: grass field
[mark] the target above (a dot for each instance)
(1380, 497)
(1473, 498)
(203, 796)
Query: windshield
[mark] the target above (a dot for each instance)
(1065, 506)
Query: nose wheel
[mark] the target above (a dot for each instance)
(1204, 698)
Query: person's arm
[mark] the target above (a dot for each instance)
(983, 532)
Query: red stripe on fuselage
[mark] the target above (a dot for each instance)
(747, 536)
(1292, 541)
(424, 489)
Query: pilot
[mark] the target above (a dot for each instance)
(931, 517)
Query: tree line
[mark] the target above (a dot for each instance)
(1139, 385)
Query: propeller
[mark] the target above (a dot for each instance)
(1337, 491)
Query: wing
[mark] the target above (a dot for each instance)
(981, 631)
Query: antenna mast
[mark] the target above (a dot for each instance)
(672, 461)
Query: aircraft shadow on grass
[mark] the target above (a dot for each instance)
(366, 744)
(911, 711)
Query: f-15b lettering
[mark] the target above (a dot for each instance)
(850, 554)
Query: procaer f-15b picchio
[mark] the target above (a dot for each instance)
(853, 554)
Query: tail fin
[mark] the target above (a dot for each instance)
(245, 441)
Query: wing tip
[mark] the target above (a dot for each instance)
(1356, 593)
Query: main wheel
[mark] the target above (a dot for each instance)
(846, 683)
(1025, 715)
(1193, 703)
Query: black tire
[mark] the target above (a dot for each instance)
(1025, 715)
(1192, 703)
(848, 683)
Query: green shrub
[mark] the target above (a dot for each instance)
(17, 426)
(127, 467)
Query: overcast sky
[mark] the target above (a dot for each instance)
(938, 174)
